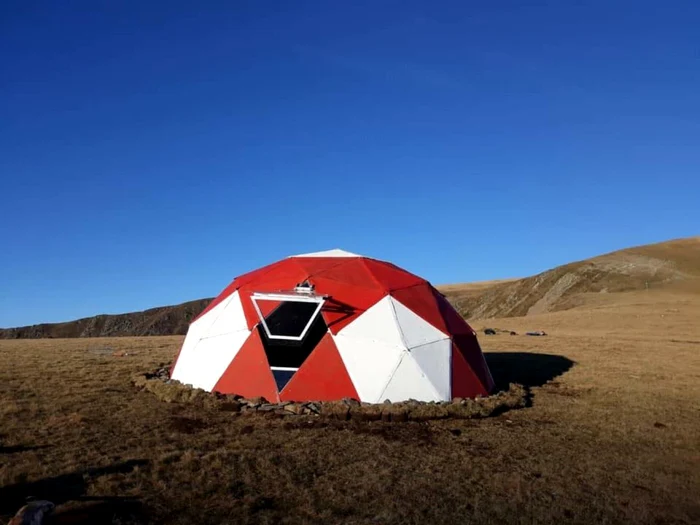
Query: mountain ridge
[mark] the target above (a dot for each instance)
(661, 265)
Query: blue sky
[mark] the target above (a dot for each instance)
(151, 152)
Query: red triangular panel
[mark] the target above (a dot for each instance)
(468, 346)
(346, 301)
(391, 277)
(322, 377)
(236, 284)
(352, 272)
(255, 274)
(249, 373)
(284, 276)
(464, 381)
(315, 265)
(267, 307)
(456, 324)
(421, 300)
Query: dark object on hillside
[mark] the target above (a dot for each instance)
(537, 333)
(497, 331)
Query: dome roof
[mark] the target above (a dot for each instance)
(329, 325)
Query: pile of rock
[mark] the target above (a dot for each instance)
(171, 391)
(162, 373)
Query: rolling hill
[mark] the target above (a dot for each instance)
(164, 320)
(667, 265)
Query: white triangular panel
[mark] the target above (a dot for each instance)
(328, 253)
(434, 360)
(370, 364)
(415, 330)
(377, 323)
(194, 335)
(202, 365)
(197, 329)
(230, 319)
(202, 324)
(409, 382)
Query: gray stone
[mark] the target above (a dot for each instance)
(293, 408)
(313, 407)
(351, 402)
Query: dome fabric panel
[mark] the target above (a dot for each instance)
(389, 276)
(465, 382)
(322, 377)
(370, 364)
(434, 359)
(468, 346)
(203, 365)
(231, 318)
(249, 374)
(409, 382)
(422, 300)
(378, 324)
(415, 331)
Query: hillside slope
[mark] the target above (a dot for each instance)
(655, 266)
(164, 320)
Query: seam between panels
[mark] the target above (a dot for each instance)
(209, 307)
(422, 283)
(226, 300)
(229, 298)
(316, 274)
(430, 343)
(225, 368)
(403, 338)
(363, 260)
(430, 382)
(398, 324)
(227, 333)
(435, 303)
(393, 369)
(334, 338)
(403, 354)
(449, 364)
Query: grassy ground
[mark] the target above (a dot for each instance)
(612, 435)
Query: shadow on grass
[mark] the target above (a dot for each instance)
(71, 488)
(525, 368)
(14, 449)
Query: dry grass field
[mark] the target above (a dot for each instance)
(612, 435)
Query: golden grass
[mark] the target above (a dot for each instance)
(611, 435)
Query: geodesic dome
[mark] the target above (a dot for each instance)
(328, 325)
